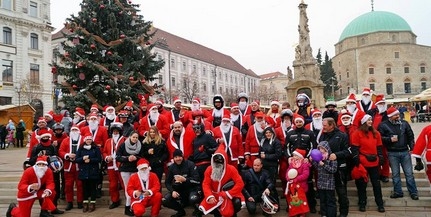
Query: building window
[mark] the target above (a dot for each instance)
(370, 71)
(407, 88)
(194, 68)
(34, 74)
(7, 35)
(406, 69)
(236, 80)
(388, 70)
(225, 77)
(347, 74)
(220, 89)
(173, 81)
(173, 63)
(204, 87)
(422, 69)
(34, 41)
(341, 92)
(33, 9)
(213, 88)
(160, 79)
(184, 66)
(7, 71)
(6, 4)
(372, 86)
(397, 55)
(5, 100)
(227, 91)
(231, 79)
(204, 71)
(423, 85)
(185, 83)
(389, 89)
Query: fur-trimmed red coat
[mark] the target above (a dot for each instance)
(65, 150)
(100, 135)
(110, 149)
(161, 124)
(29, 177)
(136, 184)
(423, 145)
(186, 143)
(234, 147)
(252, 143)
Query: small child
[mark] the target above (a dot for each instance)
(297, 175)
(326, 181)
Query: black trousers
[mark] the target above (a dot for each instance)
(328, 205)
(361, 185)
(89, 186)
(57, 187)
(192, 198)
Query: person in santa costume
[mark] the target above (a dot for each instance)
(243, 105)
(154, 118)
(144, 189)
(49, 117)
(274, 112)
(196, 106)
(297, 185)
(198, 117)
(366, 103)
(94, 108)
(422, 148)
(357, 114)
(176, 113)
(109, 116)
(41, 125)
(127, 127)
(159, 103)
(344, 123)
(143, 111)
(237, 119)
(99, 134)
(218, 198)
(37, 182)
(316, 124)
(79, 117)
(218, 112)
(253, 138)
(280, 133)
(229, 139)
(129, 109)
(109, 155)
(67, 152)
(251, 118)
(180, 138)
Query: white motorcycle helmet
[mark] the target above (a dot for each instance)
(269, 204)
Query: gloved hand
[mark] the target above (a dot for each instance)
(419, 165)
(355, 160)
(381, 160)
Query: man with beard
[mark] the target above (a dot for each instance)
(330, 110)
(79, 118)
(345, 123)
(301, 138)
(41, 125)
(339, 146)
(366, 104)
(316, 123)
(49, 118)
(180, 139)
(127, 127)
(399, 139)
(176, 113)
(154, 118)
(304, 107)
(204, 145)
(218, 112)
(109, 154)
(253, 138)
(237, 118)
(250, 119)
(229, 139)
(183, 183)
(144, 189)
(218, 198)
(243, 105)
(357, 114)
(67, 152)
(37, 182)
(109, 116)
(280, 133)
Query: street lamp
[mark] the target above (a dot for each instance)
(18, 90)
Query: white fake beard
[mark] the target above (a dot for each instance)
(225, 128)
(115, 137)
(346, 122)
(317, 123)
(351, 108)
(366, 99)
(242, 105)
(74, 135)
(76, 120)
(110, 116)
(154, 116)
(40, 171)
(286, 124)
(381, 108)
(233, 117)
(93, 125)
(258, 126)
(217, 172)
(218, 112)
(195, 107)
(144, 174)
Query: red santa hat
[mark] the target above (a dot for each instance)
(392, 111)
(129, 105)
(366, 90)
(107, 107)
(177, 99)
(197, 113)
(159, 101)
(142, 163)
(41, 119)
(43, 133)
(123, 114)
(259, 115)
(234, 105)
(43, 159)
(92, 114)
(88, 136)
(95, 107)
(226, 117)
(49, 114)
(298, 117)
(345, 113)
(299, 152)
(80, 112)
(380, 98)
(351, 98)
(275, 102)
(255, 102)
(74, 126)
(151, 106)
(316, 111)
(365, 118)
(196, 99)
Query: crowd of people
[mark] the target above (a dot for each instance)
(219, 160)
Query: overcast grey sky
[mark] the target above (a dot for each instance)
(261, 35)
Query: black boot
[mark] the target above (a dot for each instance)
(9, 210)
(180, 213)
(80, 206)
(57, 211)
(127, 211)
(69, 206)
(45, 213)
(114, 205)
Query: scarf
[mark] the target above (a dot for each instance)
(132, 149)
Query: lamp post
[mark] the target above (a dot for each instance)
(18, 90)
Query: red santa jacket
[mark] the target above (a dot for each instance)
(102, 121)
(423, 144)
(136, 185)
(247, 110)
(356, 117)
(110, 149)
(34, 141)
(367, 146)
(225, 111)
(234, 147)
(59, 139)
(188, 116)
(281, 135)
(186, 139)
(100, 134)
(161, 124)
(65, 150)
(249, 119)
(359, 106)
(252, 143)
(29, 177)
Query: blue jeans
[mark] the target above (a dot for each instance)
(404, 159)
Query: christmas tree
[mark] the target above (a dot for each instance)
(107, 56)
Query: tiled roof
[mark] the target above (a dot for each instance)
(59, 34)
(272, 75)
(193, 50)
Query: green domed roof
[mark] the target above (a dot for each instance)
(375, 21)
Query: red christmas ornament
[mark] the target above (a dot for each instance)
(148, 43)
(70, 30)
(93, 46)
(54, 70)
(143, 81)
(66, 54)
(131, 78)
(55, 81)
(74, 86)
(108, 87)
(81, 76)
(122, 36)
(102, 6)
(120, 65)
(94, 20)
(80, 65)
(109, 53)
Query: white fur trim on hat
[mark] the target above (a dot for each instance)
(365, 118)
(393, 113)
(295, 153)
(88, 137)
(140, 166)
(177, 100)
(299, 118)
(41, 162)
(346, 115)
(49, 115)
(274, 102)
(109, 107)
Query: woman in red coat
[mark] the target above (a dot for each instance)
(367, 150)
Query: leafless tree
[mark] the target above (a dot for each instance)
(30, 89)
(189, 87)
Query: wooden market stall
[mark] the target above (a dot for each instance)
(15, 113)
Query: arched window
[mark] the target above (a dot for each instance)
(7, 35)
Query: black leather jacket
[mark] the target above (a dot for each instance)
(406, 137)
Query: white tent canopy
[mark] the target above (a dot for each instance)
(423, 96)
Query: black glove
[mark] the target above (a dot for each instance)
(355, 160)
(419, 165)
(381, 160)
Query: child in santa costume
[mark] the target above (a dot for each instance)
(37, 182)
(144, 189)
(297, 186)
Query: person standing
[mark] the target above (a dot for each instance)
(155, 151)
(366, 149)
(19, 134)
(399, 139)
